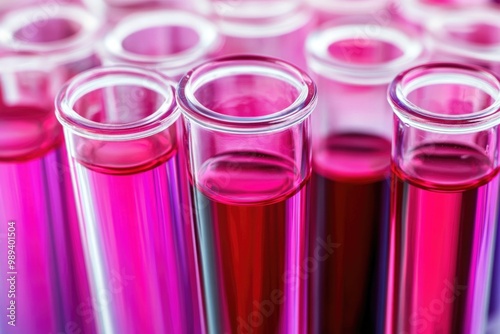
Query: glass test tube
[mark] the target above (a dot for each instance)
(248, 134)
(444, 199)
(122, 132)
(352, 67)
(472, 37)
(169, 41)
(38, 221)
(276, 28)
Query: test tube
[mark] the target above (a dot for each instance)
(249, 149)
(169, 41)
(274, 28)
(122, 131)
(47, 284)
(352, 66)
(472, 37)
(444, 198)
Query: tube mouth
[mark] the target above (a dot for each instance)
(63, 32)
(117, 103)
(349, 7)
(246, 94)
(199, 39)
(473, 34)
(447, 98)
(360, 53)
(247, 19)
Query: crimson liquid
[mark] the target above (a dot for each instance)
(350, 208)
(251, 218)
(443, 217)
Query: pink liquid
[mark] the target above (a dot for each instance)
(138, 245)
(251, 228)
(350, 207)
(36, 194)
(443, 220)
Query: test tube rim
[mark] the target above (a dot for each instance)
(174, 64)
(295, 113)
(322, 63)
(420, 118)
(164, 117)
(66, 50)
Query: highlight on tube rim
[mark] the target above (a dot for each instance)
(208, 38)
(77, 45)
(102, 77)
(437, 28)
(296, 112)
(321, 61)
(445, 73)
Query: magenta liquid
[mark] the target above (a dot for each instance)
(443, 220)
(350, 207)
(138, 244)
(39, 236)
(251, 218)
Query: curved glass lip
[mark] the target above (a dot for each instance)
(295, 113)
(321, 62)
(102, 77)
(437, 28)
(420, 118)
(173, 64)
(343, 7)
(78, 45)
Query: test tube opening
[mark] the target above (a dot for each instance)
(236, 94)
(42, 29)
(361, 53)
(170, 41)
(450, 98)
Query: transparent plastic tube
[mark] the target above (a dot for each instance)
(352, 67)
(38, 222)
(444, 199)
(276, 28)
(248, 135)
(169, 41)
(122, 132)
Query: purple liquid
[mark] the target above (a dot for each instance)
(251, 227)
(443, 220)
(36, 194)
(350, 201)
(140, 249)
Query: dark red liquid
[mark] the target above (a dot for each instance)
(443, 218)
(350, 207)
(250, 233)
